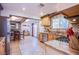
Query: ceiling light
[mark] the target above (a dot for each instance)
(74, 20)
(27, 20)
(14, 18)
(23, 9)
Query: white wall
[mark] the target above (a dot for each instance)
(28, 26)
(8, 25)
(35, 30)
(41, 27)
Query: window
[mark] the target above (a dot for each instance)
(59, 22)
(56, 23)
(63, 23)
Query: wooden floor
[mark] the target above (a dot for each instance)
(14, 48)
(31, 46)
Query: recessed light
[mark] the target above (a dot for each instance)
(74, 20)
(23, 9)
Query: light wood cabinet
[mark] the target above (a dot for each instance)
(50, 36)
(46, 21)
(40, 37)
(43, 37)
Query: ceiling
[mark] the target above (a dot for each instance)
(33, 10)
(73, 11)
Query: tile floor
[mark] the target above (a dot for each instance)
(31, 46)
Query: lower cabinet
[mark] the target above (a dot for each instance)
(50, 36)
(43, 37)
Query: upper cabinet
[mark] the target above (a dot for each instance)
(45, 21)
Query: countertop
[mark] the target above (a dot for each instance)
(61, 46)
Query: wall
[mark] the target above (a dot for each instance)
(3, 27)
(41, 27)
(27, 25)
(35, 30)
(8, 25)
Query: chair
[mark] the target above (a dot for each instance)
(74, 43)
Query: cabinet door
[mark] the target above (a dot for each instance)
(50, 36)
(40, 37)
(43, 37)
(46, 21)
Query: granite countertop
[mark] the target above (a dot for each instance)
(61, 46)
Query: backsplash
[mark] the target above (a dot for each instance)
(63, 39)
